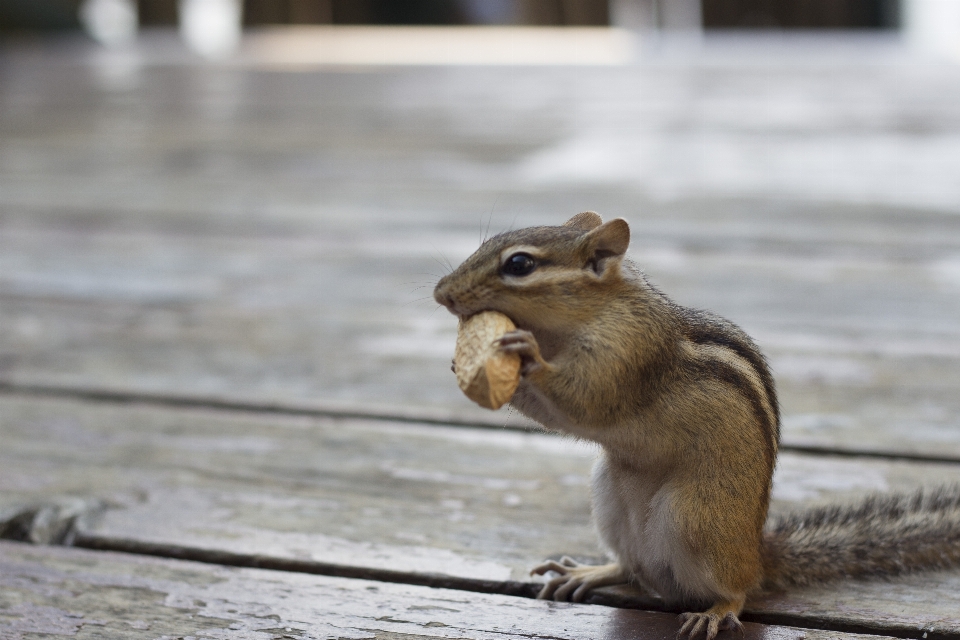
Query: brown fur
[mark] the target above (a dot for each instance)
(684, 407)
(882, 536)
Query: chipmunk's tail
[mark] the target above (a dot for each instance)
(884, 535)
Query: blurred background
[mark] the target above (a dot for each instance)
(221, 224)
(806, 14)
(251, 202)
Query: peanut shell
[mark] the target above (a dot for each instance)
(485, 374)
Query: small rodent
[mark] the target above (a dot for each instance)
(684, 408)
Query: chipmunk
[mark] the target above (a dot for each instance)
(685, 410)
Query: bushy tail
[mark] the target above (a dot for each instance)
(884, 535)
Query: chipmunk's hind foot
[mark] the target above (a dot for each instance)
(707, 625)
(576, 580)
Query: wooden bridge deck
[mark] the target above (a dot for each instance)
(225, 402)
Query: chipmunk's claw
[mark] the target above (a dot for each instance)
(576, 580)
(524, 344)
(694, 626)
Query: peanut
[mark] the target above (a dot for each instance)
(485, 374)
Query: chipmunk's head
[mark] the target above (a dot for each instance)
(540, 276)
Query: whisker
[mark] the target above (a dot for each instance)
(429, 273)
(486, 233)
(442, 266)
(417, 300)
(514, 221)
(446, 262)
(510, 412)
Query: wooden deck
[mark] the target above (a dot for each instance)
(226, 409)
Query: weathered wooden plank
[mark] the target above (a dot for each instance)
(869, 364)
(57, 592)
(468, 508)
(886, 607)
(403, 498)
(237, 233)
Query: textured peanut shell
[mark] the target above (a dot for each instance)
(486, 375)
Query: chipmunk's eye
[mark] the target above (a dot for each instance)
(519, 264)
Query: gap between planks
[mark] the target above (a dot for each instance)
(419, 415)
(75, 534)
(609, 597)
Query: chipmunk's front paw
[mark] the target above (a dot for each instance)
(694, 626)
(575, 579)
(524, 344)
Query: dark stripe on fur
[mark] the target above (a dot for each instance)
(882, 536)
(719, 370)
(706, 328)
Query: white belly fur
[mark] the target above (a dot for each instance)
(634, 519)
(637, 526)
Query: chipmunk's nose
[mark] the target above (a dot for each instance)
(442, 296)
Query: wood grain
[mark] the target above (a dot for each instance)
(473, 509)
(238, 233)
(75, 593)
(227, 267)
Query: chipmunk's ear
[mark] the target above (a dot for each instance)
(609, 240)
(584, 221)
